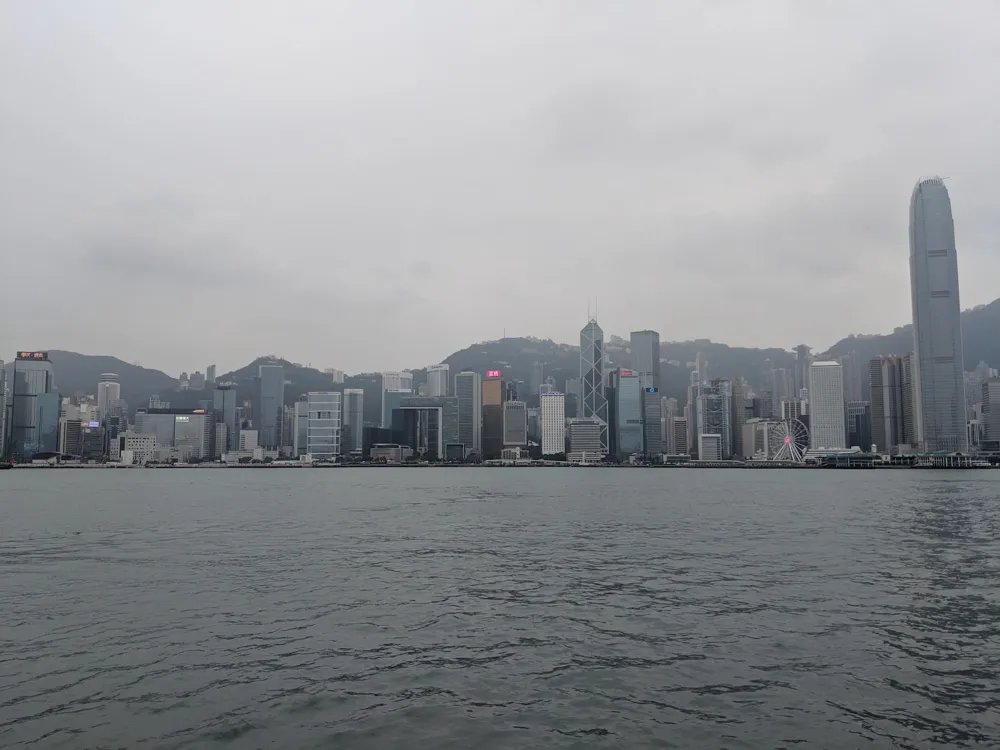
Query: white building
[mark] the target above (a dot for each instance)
(553, 422)
(336, 376)
(323, 438)
(827, 428)
(396, 382)
(249, 439)
(109, 390)
(438, 377)
(137, 449)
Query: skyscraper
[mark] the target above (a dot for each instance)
(224, 405)
(109, 390)
(494, 394)
(210, 374)
(515, 424)
(394, 381)
(438, 377)
(859, 425)
(354, 409)
(469, 389)
(272, 405)
(33, 418)
(645, 347)
(714, 415)
(595, 405)
(892, 395)
(323, 429)
(553, 407)
(627, 385)
(937, 327)
(826, 406)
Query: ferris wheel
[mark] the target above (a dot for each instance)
(788, 441)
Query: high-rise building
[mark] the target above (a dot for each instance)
(3, 410)
(469, 389)
(595, 405)
(515, 424)
(224, 405)
(859, 425)
(197, 381)
(494, 394)
(826, 406)
(738, 416)
(937, 325)
(210, 375)
(553, 419)
(300, 428)
(714, 415)
(668, 410)
(34, 405)
(892, 394)
(190, 432)
(680, 437)
(585, 437)
(391, 399)
(645, 348)
(627, 426)
(272, 405)
(855, 378)
(427, 424)
(800, 375)
(991, 409)
(394, 381)
(652, 422)
(354, 410)
(109, 390)
(710, 447)
(438, 379)
(336, 376)
(323, 430)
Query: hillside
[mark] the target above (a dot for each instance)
(523, 359)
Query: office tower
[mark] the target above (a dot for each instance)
(573, 391)
(937, 326)
(197, 381)
(800, 375)
(763, 405)
(70, 437)
(323, 428)
(354, 409)
(394, 381)
(183, 383)
(738, 416)
(272, 405)
(645, 347)
(210, 375)
(714, 413)
(595, 405)
(626, 385)
(3, 410)
(991, 410)
(892, 395)
(680, 437)
(438, 377)
(300, 437)
(469, 390)
(585, 438)
(855, 378)
(224, 405)
(109, 390)
(859, 425)
(668, 410)
(494, 393)
(428, 425)
(221, 439)
(826, 406)
(391, 399)
(652, 422)
(189, 432)
(33, 416)
(553, 418)
(710, 447)
(515, 424)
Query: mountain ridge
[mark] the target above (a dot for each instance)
(521, 358)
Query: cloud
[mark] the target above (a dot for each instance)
(371, 187)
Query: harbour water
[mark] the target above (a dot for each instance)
(494, 608)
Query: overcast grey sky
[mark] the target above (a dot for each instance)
(373, 185)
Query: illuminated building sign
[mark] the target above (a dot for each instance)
(183, 418)
(493, 373)
(650, 390)
(33, 355)
(626, 372)
(94, 424)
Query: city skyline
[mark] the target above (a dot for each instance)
(573, 141)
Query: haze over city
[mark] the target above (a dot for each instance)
(373, 186)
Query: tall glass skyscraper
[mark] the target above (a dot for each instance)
(595, 404)
(33, 407)
(272, 405)
(937, 328)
